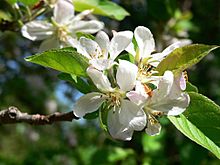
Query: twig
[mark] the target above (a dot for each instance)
(14, 115)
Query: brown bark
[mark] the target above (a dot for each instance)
(13, 115)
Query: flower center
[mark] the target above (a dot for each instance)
(62, 33)
(115, 98)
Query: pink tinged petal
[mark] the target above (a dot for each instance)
(101, 64)
(99, 79)
(116, 129)
(92, 26)
(153, 128)
(119, 42)
(103, 40)
(139, 96)
(88, 103)
(126, 75)
(63, 11)
(132, 115)
(145, 41)
(91, 47)
(49, 43)
(136, 97)
(182, 81)
(37, 30)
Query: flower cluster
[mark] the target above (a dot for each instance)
(132, 95)
(61, 30)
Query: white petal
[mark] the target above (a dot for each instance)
(37, 30)
(180, 107)
(126, 75)
(72, 42)
(145, 41)
(88, 103)
(175, 45)
(49, 43)
(63, 11)
(101, 64)
(91, 47)
(119, 42)
(81, 15)
(116, 129)
(132, 115)
(130, 49)
(99, 79)
(92, 26)
(169, 98)
(153, 128)
(158, 57)
(103, 40)
(165, 85)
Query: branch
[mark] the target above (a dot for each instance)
(14, 115)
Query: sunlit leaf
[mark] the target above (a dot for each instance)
(101, 7)
(28, 2)
(200, 122)
(191, 88)
(62, 60)
(184, 57)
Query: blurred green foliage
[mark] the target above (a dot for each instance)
(35, 89)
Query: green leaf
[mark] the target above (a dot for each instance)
(191, 88)
(201, 122)
(102, 7)
(62, 60)
(184, 57)
(6, 11)
(77, 82)
(92, 115)
(28, 2)
(81, 34)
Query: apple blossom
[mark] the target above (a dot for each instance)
(62, 29)
(167, 99)
(124, 116)
(146, 46)
(101, 52)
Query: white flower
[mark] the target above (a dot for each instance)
(62, 29)
(101, 52)
(124, 116)
(146, 45)
(167, 99)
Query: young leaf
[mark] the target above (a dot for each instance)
(102, 7)
(184, 57)
(191, 88)
(78, 82)
(62, 60)
(200, 122)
